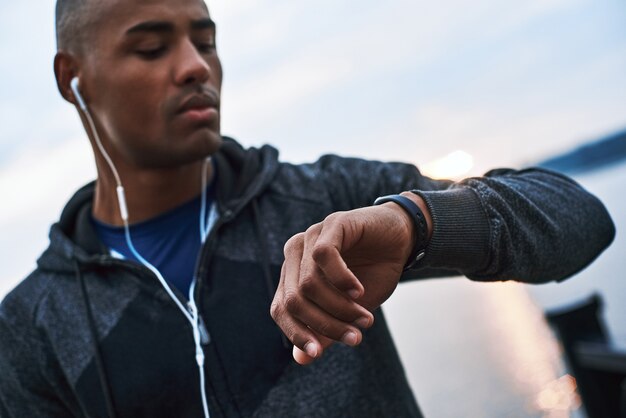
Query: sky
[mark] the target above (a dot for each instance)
(501, 83)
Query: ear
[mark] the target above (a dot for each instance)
(65, 69)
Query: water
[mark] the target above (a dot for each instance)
(484, 350)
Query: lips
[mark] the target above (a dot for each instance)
(198, 102)
(200, 108)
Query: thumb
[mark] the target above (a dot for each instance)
(303, 358)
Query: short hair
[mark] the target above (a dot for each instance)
(72, 18)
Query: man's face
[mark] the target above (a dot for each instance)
(152, 80)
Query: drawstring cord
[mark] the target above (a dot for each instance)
(104, 382)
(265, 259)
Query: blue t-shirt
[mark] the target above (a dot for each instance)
(170, 241)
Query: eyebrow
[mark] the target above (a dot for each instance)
(162, 26)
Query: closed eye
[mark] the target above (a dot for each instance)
(152, 53)
(205, 47)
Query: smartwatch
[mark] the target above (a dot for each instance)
(419, 224)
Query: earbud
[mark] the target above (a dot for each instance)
(77, 95)
(120, 189)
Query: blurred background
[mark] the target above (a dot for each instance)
(451, 86)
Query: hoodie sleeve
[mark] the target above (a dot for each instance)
(27, 389)
(530, 225)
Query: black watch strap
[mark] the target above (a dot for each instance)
(419, 223)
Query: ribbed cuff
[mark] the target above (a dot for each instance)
(460, 239)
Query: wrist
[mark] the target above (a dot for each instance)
(425, 211)
(417, 226)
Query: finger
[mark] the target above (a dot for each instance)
(317, 288)
(304, 323)
(297, 316)
(327, 254)
(298, 333)
(304, 339)
(324, 324)
(290, 271)
(303, 358)
(288, 300)
(293, 255)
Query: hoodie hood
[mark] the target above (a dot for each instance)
(243, 174)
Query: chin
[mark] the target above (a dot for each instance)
(214, 142)
(200, 145)
(187, 149)
(203, 143)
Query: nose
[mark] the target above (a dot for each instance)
(192, 67)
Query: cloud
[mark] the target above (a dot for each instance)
(367, 44)
(272, 94)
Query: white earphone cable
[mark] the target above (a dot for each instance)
(191, 314)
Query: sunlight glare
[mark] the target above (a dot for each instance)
(453, 166)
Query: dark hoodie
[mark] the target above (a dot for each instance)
(89, 335)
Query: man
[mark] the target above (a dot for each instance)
(103, 327)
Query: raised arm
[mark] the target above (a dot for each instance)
(532, 225)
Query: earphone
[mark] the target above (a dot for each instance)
(121, 197)
(192, 313)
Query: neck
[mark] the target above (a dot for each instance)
(149, 192)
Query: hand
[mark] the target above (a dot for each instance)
(338, 271)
